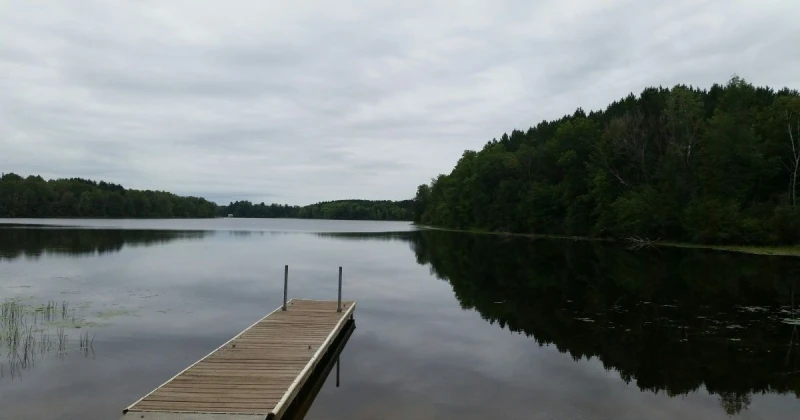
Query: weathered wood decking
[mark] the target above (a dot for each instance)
(255, 375)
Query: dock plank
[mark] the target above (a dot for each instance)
(254, 375)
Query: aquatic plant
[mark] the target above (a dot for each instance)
(30, 332)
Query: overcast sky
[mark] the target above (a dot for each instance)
(302, 101)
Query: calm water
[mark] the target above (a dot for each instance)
(449, 325)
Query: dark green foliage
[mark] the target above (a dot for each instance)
(248, 209)
(341, 210)
(35, 197)
(358, 210)
(684, 164)
(75, 197)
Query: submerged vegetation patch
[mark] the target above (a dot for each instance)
(29, 332)
(114, 313)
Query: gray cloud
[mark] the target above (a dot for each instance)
(313, 100)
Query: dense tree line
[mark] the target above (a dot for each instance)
(341, 210)
(75, 197)
(359, 210)
(248, 209)
(708, 166)
(668, 320)
(35, 197)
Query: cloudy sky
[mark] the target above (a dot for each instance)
(302, 101)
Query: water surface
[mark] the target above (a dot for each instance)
(449, 325)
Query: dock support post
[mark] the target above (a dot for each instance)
(285, 285)
(339, 307)
(338, 362)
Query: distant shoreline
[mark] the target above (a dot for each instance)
(35, 197)
(777, 250)
(198, 218)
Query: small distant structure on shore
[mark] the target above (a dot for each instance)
(230, 214)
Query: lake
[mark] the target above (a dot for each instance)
(448, 325)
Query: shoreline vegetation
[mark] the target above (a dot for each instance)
(780, 251)
(332, 210)
(35, 197)
(715, 168)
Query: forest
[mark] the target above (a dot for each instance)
(75, 197)
(716, 166)
(35, 197)
(340, 210)
(359, 210)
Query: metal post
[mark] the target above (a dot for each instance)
(285, 284)
(337, 372)
(339, 308)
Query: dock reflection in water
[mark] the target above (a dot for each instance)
(305, 398)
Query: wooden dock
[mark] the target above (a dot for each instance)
(255, 375)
